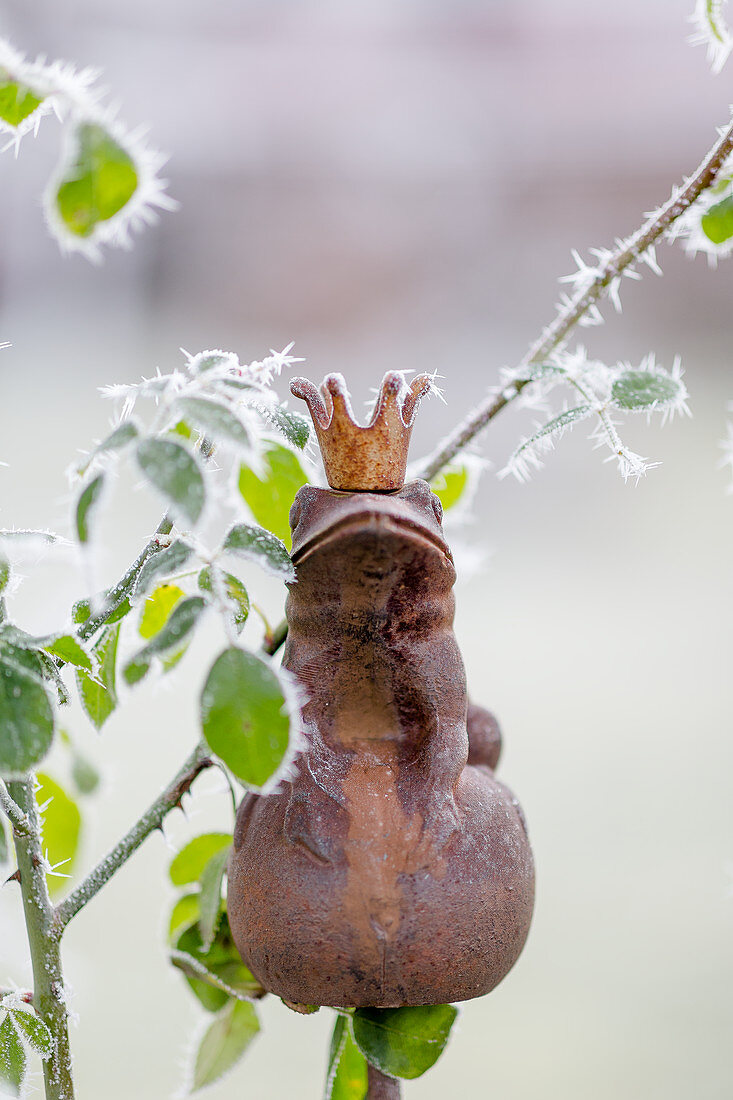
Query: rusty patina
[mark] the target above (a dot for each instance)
(394, 869)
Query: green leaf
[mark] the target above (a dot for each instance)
(176, 629)
(403, 1042)
(61, 829)
(86, 505)
(225, 1042)
(270, 495)
(347, 1067)
(217, 974)
(162, 563)
(188, 865)
(84, 774)
(99, 694)
(34, 1031)
(4, 850)
(244, 716)
(157, 608)
(228, 588)
(450, 486)
(215, 420)
(174, 472)
(294, 427)
(4, 572)
(717, 222)
(261, 546)
(117, 440)
(185, 912)
(18, 101)
(636, 390)
(68, 649)
(100, 180)
(12, 1058)
(26, 714)
(210, 900)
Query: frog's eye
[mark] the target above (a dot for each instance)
(437, 508)
(295, 514)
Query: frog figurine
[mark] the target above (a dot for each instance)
(393, 868)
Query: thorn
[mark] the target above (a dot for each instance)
(15, 877)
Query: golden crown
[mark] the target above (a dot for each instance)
(363, 459)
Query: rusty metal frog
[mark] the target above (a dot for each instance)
(394, 868)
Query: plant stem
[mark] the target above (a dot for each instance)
(627, 253)
(49, 997)
(152, 819)
(381, 1087)
(20, 821)
(125, 585)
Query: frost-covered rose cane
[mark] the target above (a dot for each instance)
(389, 871)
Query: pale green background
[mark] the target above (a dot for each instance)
(398, 185)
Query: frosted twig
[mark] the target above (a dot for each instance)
(584, 300)
(19, 820)
(151, 820)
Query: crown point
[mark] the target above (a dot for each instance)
(363, 459)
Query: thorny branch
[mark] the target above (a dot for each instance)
(198, 761)
(626, 254)
(20, 821)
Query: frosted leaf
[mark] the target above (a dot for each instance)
(26, 716)
(61, 829)
(124, 434)
(403, 1042)
(224, 1043)
(526, 455)
(185, 913)
(210, 895)
(712, 31)
(12, 1057)
(250, 717)
(649, 388)
(98, 694)
(260, 546)
(157, 608)
(161, 564)
(4, 572)
(174, 472)
(177, 628)
(33, 1031)
(69, 649)
(229, 592)
(294, 427)
(346, 1077)
(215, 420)
(86, 506)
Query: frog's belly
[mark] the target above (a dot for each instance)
(399, 907)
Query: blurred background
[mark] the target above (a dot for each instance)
(399, 186)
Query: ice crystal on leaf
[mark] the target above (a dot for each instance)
(712, 31)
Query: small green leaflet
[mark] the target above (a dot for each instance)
(215, 421)
(217, 974)
(162, 563)
(100, 180)
(81, 611)
(210, 900)
(86, 505)
(229, 589)
(174, 472)
(347, 1067)
(262, 546)
(188, 865)
(99, 694)
(17, 100)
(26, 714)
(556, 426)
(244, 716)
(117, 440)
(637, 390)
(717, 222)
(225, 1042)
(185, 912)
(12, 1058)
(403, 1042)
(61, 829)
(84, 774)
(33, 1030)
(4, 851)
(269, 495)
(179, 625)
(4, 572)
(450, 486)
(293, 426)
(67, 647)
(157, 607)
